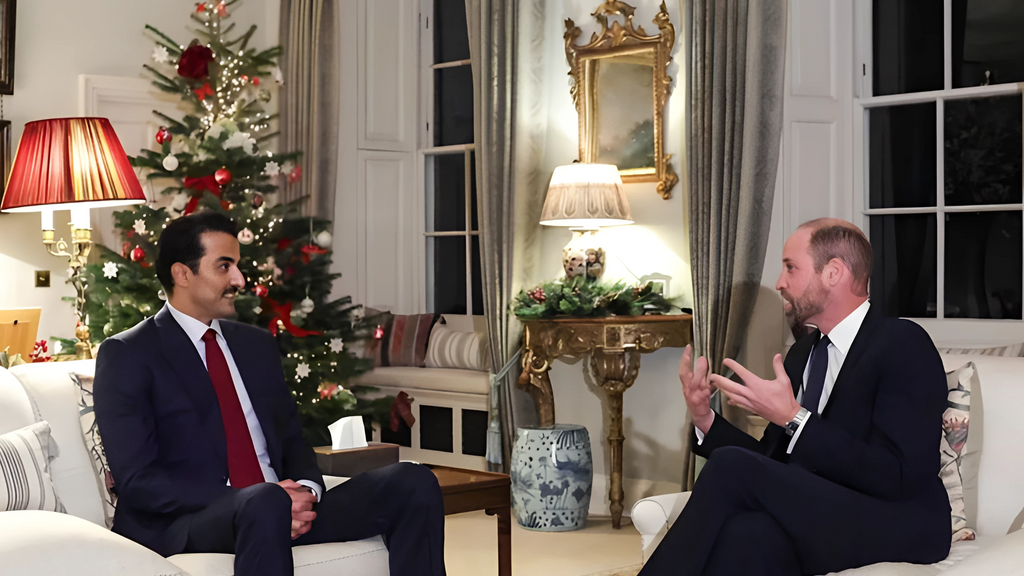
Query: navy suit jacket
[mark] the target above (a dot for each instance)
(162, 431)
(880, 431)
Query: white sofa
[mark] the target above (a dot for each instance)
(47, 543)
(992, 504)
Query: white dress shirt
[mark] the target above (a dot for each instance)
(840, 340)
(195, 330)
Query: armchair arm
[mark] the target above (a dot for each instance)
(653, 516)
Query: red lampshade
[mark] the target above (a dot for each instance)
(67, 162)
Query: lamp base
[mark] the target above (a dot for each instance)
(83, 348)
(584, 255)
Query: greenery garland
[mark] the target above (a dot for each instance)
(579, 297)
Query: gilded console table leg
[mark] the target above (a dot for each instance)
(535, 379)
(615, 371)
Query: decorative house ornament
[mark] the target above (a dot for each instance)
(552, 477)
(620, 86)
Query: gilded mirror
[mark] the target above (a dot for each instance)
(620, 85)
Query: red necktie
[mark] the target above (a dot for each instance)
(243, 466)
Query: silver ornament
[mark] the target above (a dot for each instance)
(170, 163)
(306, 305)
(245, 236)
(324, 239)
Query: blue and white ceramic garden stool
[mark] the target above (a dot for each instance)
(552, 477)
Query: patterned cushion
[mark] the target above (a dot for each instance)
(93, 444)
(407, 340)
(25, 456)
(450, 349)
(953, 446)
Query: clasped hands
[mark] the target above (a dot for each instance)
(303, 500)
(770, 399)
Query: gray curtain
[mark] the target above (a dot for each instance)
(735, 82)
(510, 195)
(310, 102)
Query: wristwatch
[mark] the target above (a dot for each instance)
(797, 421)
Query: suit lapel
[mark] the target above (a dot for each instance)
(796, 360)
(184, 360)
(861, 342)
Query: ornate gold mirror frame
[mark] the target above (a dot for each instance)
(610, 65)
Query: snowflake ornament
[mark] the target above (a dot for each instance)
(271, 169)
(302, 370)
(140, 227)
(109, 270)
(287, 167)
(160, 55)
(337, 345)
(241, 140)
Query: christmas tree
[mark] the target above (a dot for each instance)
(214, 159)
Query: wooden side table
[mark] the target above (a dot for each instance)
(614, 345)
(468, 490)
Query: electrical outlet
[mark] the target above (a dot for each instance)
(42, 278)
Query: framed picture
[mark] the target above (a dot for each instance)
(7, 20)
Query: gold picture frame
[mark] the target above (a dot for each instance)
(613, 77)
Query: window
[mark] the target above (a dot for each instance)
(453, 282)
(942, 158)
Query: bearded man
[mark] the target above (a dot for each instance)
(846, 473)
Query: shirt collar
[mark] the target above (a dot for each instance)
(193, 328)
(843, 334)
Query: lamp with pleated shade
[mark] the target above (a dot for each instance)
(71, 164)
(585, 197)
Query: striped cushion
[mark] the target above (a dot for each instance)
(25, 456)
(451, 349)
(407, 340)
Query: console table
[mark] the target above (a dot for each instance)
(614, 345)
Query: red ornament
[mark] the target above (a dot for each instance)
(295, 174)
(378, 332)
(257, 201)
(138, 254)
(261, 290)
(283, 244)
(243, 78)
(195, 62)
(203, 91)
(255, 81)
(163, 135)
(200, 7)
(223, 176)
(222, 10)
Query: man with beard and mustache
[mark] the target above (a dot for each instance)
(846, 473)
(203, 437)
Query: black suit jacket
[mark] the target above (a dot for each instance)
(880, 431)
(162, 431)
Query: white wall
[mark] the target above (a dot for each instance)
(56, 41)
(653, 409)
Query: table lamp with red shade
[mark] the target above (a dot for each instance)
(71, 164)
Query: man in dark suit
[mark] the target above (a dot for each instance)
(203, 437)
(846, 473)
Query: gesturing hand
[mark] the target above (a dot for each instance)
(770, 399)
(302, 506)
(696, 390)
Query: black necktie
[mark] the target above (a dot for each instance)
(816, 377)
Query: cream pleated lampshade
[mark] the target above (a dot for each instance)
(586, 195)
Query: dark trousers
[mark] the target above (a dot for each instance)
(751, 515)
(402, 502)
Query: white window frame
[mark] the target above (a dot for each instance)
(427, 152)
(967, 332)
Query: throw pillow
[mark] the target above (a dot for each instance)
(25, 456)
(94, 445)
(450, 349)
(955, 456)
(1017, 523)
(407, 340)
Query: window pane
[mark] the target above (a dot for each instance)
(983, 265)
(908, 46)
(983, 151)
(451, 36)
(449, 267)
(987, 38)
(901, 160)
(449, 203)
(903, 273)
(453, 106)
(478, 292)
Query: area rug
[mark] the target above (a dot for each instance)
(624, 571)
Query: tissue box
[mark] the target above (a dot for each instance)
(354, 461)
